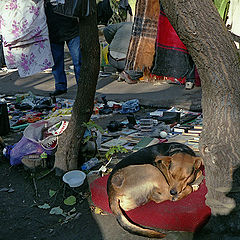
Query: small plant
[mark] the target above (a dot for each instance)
(93, 128)
(113, 150)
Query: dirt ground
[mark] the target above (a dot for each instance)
(22, 219)
(22, 194)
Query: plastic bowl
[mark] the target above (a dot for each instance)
(74, 178)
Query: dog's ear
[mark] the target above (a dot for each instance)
(197, 162)
(163, 160)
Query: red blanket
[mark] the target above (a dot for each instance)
(187, 214)
(172, 59)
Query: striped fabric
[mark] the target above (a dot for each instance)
(142, 44)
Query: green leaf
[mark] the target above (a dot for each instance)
(115, 149)
(52, 193)
(71, 200)
(222, 6)
(56, 211)
(44, 206)
(87, 139)
(92, 125)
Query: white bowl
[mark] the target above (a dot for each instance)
(74, 178)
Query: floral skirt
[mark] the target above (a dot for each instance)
(25, 36)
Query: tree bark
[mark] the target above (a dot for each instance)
(67, 155)
(201, 29)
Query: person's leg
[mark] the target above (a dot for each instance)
(110, 31)
(118, 64)
(75, 51)
(58, 68)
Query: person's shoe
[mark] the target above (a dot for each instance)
(125, 76)
(58, 92)
(121, 77)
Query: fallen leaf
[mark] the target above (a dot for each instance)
(97, 210)
(44, 206)
(56, 211)
(52, 193)
(71, 200)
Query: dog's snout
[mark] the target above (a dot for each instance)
(173, 192)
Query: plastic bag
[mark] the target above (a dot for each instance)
(22, 148)
(32, 141)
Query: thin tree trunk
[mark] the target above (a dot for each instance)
(201, 29)
(67, 155)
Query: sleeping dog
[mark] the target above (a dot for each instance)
(160, 172)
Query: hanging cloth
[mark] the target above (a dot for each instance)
(172, 59)
(142, 44)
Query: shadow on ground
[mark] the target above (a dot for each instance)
(161, 95)
(225, 227)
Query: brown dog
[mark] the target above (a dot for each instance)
(135, 185)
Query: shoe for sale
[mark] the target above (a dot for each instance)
(58, 92)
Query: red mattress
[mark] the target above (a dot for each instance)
(188, 214)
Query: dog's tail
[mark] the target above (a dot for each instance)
(127, 224)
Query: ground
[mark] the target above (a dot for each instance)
(21, 217)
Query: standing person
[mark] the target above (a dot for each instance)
(63, 30)
(25, 37)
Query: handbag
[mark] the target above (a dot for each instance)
(73, 8)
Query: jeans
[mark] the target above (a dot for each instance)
(58, 57)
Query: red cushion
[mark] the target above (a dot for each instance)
(187, 214)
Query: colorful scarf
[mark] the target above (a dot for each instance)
(142, 44)
(25, 36)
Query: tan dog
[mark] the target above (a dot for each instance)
(180, 170)
(135, 185)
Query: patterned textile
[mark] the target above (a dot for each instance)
(142, 44)
(172, 59)
(25, 36)
(119, 14)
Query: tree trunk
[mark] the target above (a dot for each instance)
(67, 155)
(201, 29)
